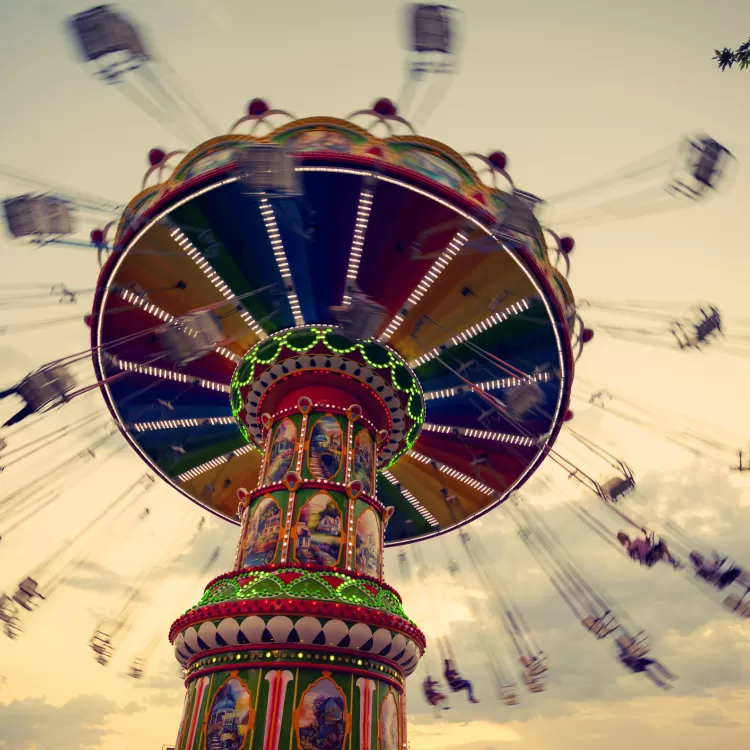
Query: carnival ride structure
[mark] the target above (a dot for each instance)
(339, 341)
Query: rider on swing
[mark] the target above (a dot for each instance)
(456, 683)
(713, 570)
(433, 694)
(647, 551)
(641, 664)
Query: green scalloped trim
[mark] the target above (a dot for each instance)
(310, 585)
(377, 356)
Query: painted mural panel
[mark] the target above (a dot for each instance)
(319, 531)
(208, 163)
(230, 717)
(326, 448)
(367, 555)
(389, 723)
(263, 533)
(322, 719)
(364, 458)
(319, 140)
(282, 451)
(432, 166)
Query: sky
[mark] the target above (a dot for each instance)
(571, 92)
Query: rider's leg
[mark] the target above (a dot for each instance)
(656, 680)
(661, 668)
(18, 416)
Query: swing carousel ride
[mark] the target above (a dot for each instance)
(341, 336)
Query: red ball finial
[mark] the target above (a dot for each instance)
(384, 107)
(587, 335)
(156, 156)
(257, 107)
(97, 237)
(568, 416)
(498, 160)
(567, 244)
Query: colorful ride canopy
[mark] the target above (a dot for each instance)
(209, 256)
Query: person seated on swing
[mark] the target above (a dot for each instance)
(644, 665)
(647, 550)
(710, 570)
(432, 693)
(456, 683)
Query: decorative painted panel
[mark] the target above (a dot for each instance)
(281, 455)
(320, 529)
(389, 723)
(364, 460)
(322, 721)
(367, 545)
(326, 448)
(263, 533)
(231, 716)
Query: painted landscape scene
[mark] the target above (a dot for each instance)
(326, 448)
(282, 451)
(263, 534)
(320, 525)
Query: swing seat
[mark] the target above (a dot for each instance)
(510, 700)
(533, 666)
(598, 627)
(618, 487)
(738, 606)
(636, 649)
(533, 685)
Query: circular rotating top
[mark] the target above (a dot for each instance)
(410, 221)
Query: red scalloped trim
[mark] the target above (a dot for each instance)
(307, 567)
(298, 607)
(245, 389)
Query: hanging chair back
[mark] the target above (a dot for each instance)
(102, 31)
(37, 215)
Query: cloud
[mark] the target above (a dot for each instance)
(95, 578)
(167, 699)
(133, 708)
(34, 724)
(709, 718)
(691, 633)
(474, 736)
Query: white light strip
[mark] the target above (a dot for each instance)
(158, 372)
(138, 301)
(194, 254)
(488, 385)
(175, 424)
(156, 311)
(450, 252)
(274, 237)
(483, 325)
(473, 483)
(411, 499)
(500, 437)
(212, 464)
(358, 240)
